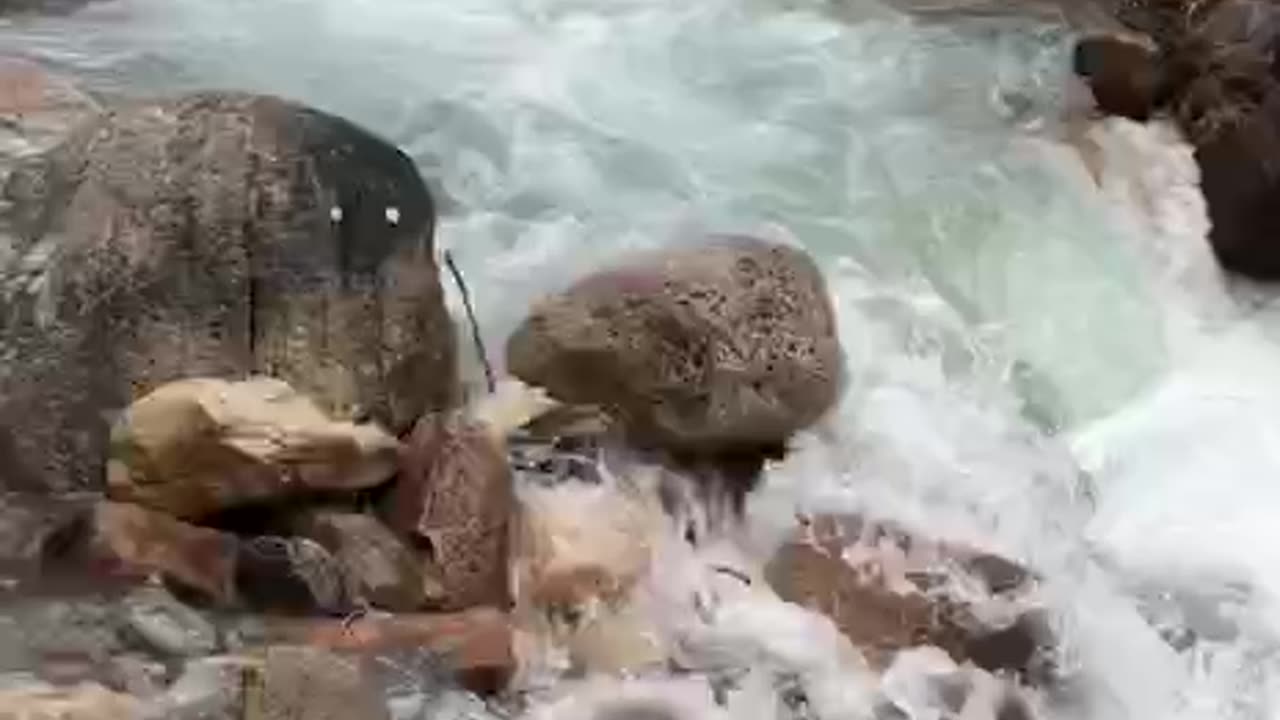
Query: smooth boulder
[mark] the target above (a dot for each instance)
(194, 447)
(717, 347)
(213, 235)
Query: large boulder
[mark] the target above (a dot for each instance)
(218, 235)
(194, 447)
(724, 346)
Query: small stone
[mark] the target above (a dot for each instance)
(135, 675)
(210, 688)
(166, 625)
(291, 575)
(305, 683)
(376, 565)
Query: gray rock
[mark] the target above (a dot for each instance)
(302, 683)
(376, 565)
(135, 675)
(723, 346)
(167, 626)
(290, 575)
(216, 235)
(208, 689)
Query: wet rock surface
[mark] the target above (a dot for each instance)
(220, 235)
(886, 590)
(161, 623)
(193, 447)
(290, 575)
(719, 347)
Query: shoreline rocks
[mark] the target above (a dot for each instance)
(219, 235)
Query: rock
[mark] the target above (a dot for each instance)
(376, 565)
(118, 540)
(1221, 82)
(193, 447)
(211, 688)
(61, 640)
(718, 347)
(282, 683)
(291, 575)
(165, 625)
(213, 235)
(27, 524)
(81, 702)
(888, 591)
(454, 496)
(1123, 74)
(304, 683)
(476, 645)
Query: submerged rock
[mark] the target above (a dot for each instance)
(454, 496)
(193, 447)
(165, 625)
(376, 565)
(214, 235)
(1123, 74)
(888, 591)
(718, 347)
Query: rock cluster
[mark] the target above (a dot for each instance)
(234, 449)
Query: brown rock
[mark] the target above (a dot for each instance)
(193, 447)
(476, 644)
(81, 702)
(117, 540)
(376, 565)
(840, 566)
(215, 235)
(719, 347)
(1124, 75)
(453, 499)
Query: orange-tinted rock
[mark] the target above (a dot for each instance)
(453, 500)
(117, 540)
(81, 702)
(196, 446)
(871, 580)
(476, 644)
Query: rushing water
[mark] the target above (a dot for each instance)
(1041, 361)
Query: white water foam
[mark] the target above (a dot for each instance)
(1012, 316)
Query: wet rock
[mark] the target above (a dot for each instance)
(454, 496)
(475, 646)
(888, 590)
(377, 566)
(165, 625)
(213, 235)
(290, 575)
(81, 702)
(727, 346)
(1123, 74)
(118, 540)
(193, 447)
(63, 641)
